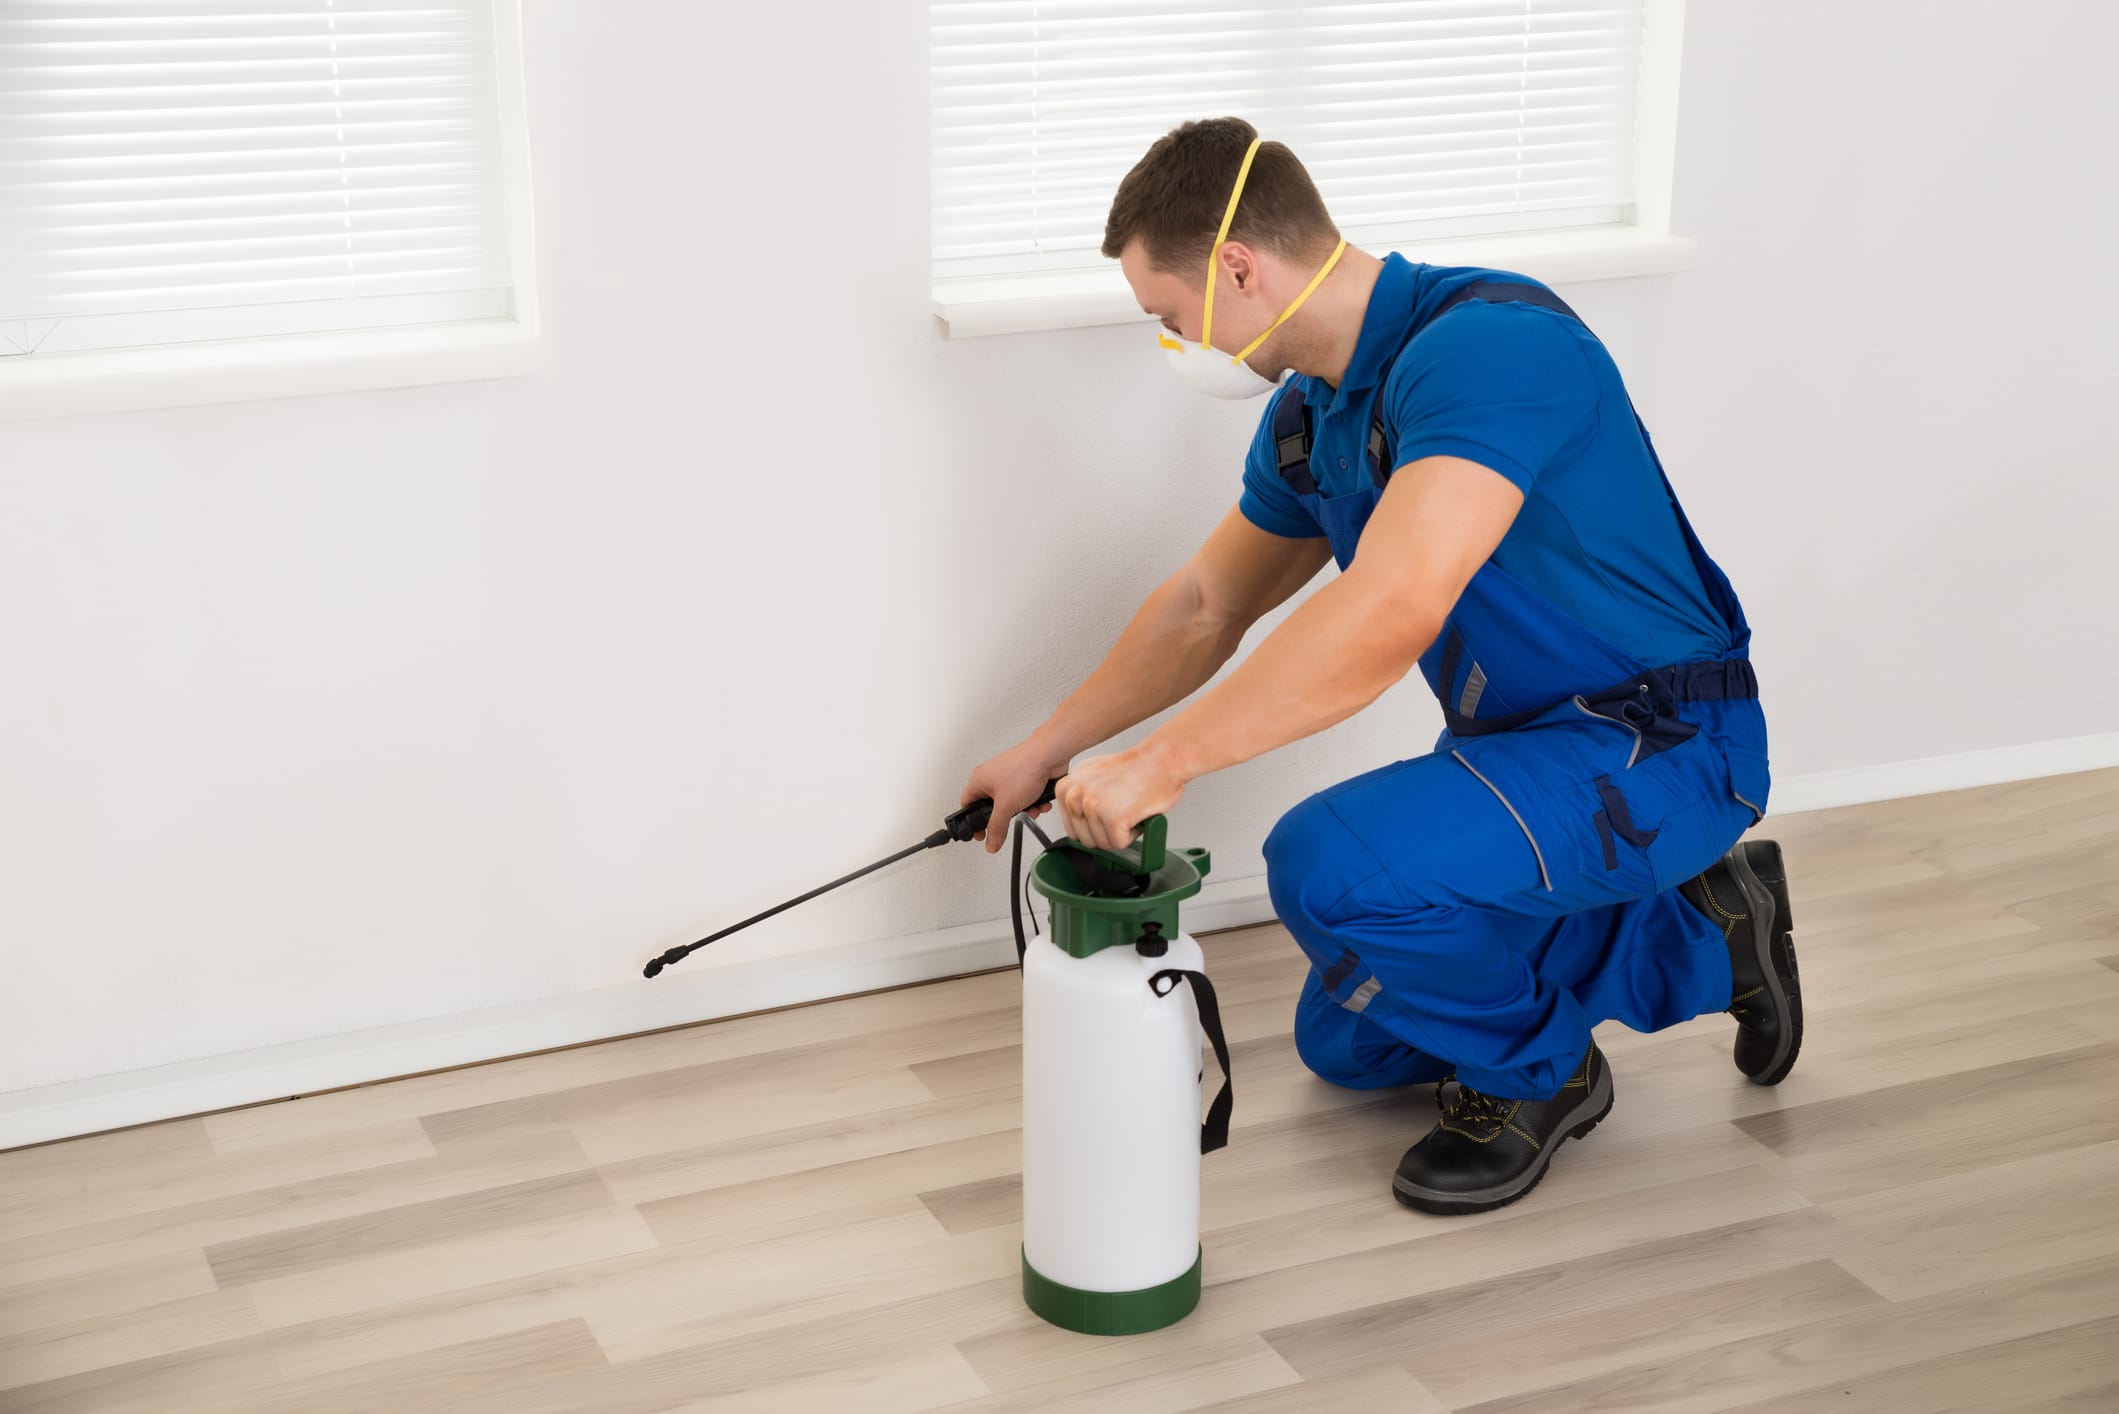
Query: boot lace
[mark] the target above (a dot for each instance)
(1464, 1105)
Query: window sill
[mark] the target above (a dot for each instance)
(237, 370)
(973, 307)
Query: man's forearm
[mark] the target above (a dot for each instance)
(1168, 649)
(1340, 651)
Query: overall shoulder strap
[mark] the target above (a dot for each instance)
(1719, 591)
(1382, 460)
(1503, 292)
(1291, 440)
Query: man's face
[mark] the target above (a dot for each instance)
(1179, 303)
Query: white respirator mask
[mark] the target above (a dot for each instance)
(1208, 370)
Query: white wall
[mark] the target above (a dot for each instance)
(1887, 389)
(339, 712)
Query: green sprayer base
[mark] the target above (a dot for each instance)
(1111, 1312)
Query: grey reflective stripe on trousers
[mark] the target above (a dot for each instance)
(1509, 805)
(1363, 995)
(1749, 803)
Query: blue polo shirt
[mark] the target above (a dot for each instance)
(1532, 395)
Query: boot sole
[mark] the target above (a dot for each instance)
(1485, 1200)
(1764, 879)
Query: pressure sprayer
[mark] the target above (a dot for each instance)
(1116, 1003)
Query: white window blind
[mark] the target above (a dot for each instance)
(178, 170)
(1417, 118)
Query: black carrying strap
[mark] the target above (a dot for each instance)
(1214, 1133)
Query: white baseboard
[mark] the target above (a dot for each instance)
(703, 991)
(698, 990)
(1896, 779)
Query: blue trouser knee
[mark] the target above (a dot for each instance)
(1479, 909)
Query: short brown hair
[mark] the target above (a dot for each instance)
(1173, 198)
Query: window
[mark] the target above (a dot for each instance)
(174, 171)
(1422, 120)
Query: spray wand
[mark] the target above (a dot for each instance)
(961, 824)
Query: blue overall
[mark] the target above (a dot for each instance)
(1480, 908)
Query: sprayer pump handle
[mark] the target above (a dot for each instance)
(970, 819)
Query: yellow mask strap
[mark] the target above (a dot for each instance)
(1228, 214)
(1307, 290)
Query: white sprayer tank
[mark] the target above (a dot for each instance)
(1112, 1079)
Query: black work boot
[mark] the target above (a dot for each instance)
(1487, 1152)
(1746, 896)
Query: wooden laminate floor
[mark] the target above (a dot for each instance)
(818, 1209)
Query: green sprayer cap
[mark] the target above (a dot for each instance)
(1085, 920)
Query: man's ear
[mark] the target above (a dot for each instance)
(1239, 264)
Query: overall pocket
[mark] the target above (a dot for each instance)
(1750, 780)
(1537, 850)
(1648, 833)
(1653, 728)
(1615, 827)
(1638, 828)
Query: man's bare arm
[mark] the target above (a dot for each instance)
(1183, 633)
(1436, 524)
